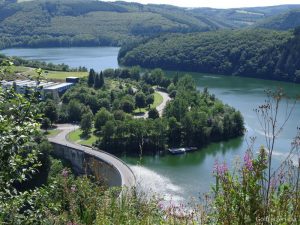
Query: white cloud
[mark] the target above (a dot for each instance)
(218, 3)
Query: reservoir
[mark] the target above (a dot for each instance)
(98, 58)
(181, 177)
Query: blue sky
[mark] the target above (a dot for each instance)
(219, 3)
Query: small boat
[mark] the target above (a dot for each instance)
(177, 151)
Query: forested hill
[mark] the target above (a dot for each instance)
(243, 17)
(255, 53)
(90, 23)
(49, 23)
(285, 21)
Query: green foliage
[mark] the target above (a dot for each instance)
(74, 111)
(285, 21)
(240, 196)
(99, 81)
(88, 23)
(253, 53)
(46, 124)
(140, 100)
(91, 78)
(86, 123)
(196, 118)
(153, 114)
(50, 111)
(101, 117)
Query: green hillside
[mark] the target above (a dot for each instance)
(88, 23)
(285, 21)
(242, 17)
(57, 23)
(255, 53)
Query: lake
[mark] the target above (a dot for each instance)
(184, 176)
(98, 58)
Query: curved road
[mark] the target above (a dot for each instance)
(159, 108)
(127, 176)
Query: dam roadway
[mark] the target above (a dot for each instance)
(127, 177)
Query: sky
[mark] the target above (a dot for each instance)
(218, 3)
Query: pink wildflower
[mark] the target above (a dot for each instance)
(248, 161)
(220, 169)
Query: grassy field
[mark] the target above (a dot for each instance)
(158, 99)
(75, 136)
(52, 132)
(50, 75)
(60, 75)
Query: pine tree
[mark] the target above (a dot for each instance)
(97, 83)
(101, 79)
(91, 78)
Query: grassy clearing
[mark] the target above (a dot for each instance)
(158, 99)
(52, 132)
(76, 136)
(51, 75)
(60, 75)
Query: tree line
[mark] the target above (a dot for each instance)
(254, 53)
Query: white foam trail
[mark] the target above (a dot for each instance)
(151, 183)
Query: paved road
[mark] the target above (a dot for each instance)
(159, 108)
(128, 178)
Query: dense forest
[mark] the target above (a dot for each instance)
(255, 53)
(285, 21)
(54, 23)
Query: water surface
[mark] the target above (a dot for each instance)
(98, 58)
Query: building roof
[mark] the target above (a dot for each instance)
(29, 83)
(57, 86)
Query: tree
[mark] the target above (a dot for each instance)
(108, 130)
(74, 111)
(119, 115)
(50, 111)
(157, 76)
(174, 132)
(91, 78)
(127, 105)
(19, 155)
(140, 100)
(153, 114)
(101, 78)
(99, 81)
(150, 100)
(135, 73)
(46, 123)
(101, 117)
(86, 123)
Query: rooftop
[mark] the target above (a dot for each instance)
(57, 86)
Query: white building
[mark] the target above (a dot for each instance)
(23, 86)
